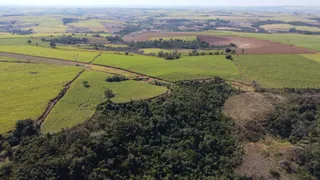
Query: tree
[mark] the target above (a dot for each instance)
(228, 50)
(29, 41)
(109, 94)
(53, 45)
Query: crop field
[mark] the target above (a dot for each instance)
(79, 104)
(185, 68)
(88, 25)
(26, 89)
(278, 71)
(83, 56)
(286, 27)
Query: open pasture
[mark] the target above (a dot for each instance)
(79, 104)
(26, 90)
(186, 68)
(83, 56)
(279, 71)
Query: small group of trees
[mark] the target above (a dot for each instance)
(196, 53)
(86, 84)
(172, 44)
(114, 39)
(116, 79)
(229, 52)
(169, 55)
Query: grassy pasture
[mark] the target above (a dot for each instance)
(278, 71)
(286, 27)
(22, 41)
(83, 56)
(26, 90)
(185, 68)
(79, 104)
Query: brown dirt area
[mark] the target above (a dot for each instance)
(255, 46)
(112, 27)
(266, 155)
(250, 106)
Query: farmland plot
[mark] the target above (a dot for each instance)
(80, 102)
(26, 89)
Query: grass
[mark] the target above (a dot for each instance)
(186, 68)
(112, 71)
(315, 57)
(286, 27)
(116, 45)
(279, 71)
(26, 90)
(22, 41)
(90, 25)
(50, 53)
(186, 38)
(79, 104)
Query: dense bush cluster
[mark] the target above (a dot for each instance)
(69, 20)
(169, 55)
(298, 121)
(116, 79)
(185, 136)
(172, 44)
(114, 39)
(67, 40)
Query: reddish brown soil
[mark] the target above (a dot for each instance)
(255, 46)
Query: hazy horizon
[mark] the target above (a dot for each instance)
(244, 3)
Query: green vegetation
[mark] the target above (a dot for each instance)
(79, 104)
(83, 56)
(315, 57)
(185, 68)
(26, 89)
(184, 137)
(278, 71)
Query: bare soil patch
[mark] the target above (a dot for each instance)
(262, 157)
(255, 46)
(112, 27)
(250, 106)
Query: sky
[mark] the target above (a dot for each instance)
(164, 2)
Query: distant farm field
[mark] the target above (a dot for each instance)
(88, 25)
(186, 68)
(279, 71)
(26, 89)
(79, 104)
(83, 56)
(286, 27)
(186, 38)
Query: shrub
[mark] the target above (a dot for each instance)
(116, 79)
(109, 94)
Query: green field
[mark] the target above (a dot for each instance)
(22, 41)
(83, 56)
(186, 68)
(286, 27)
(26, 90)
(278, 71)
(79, 104)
